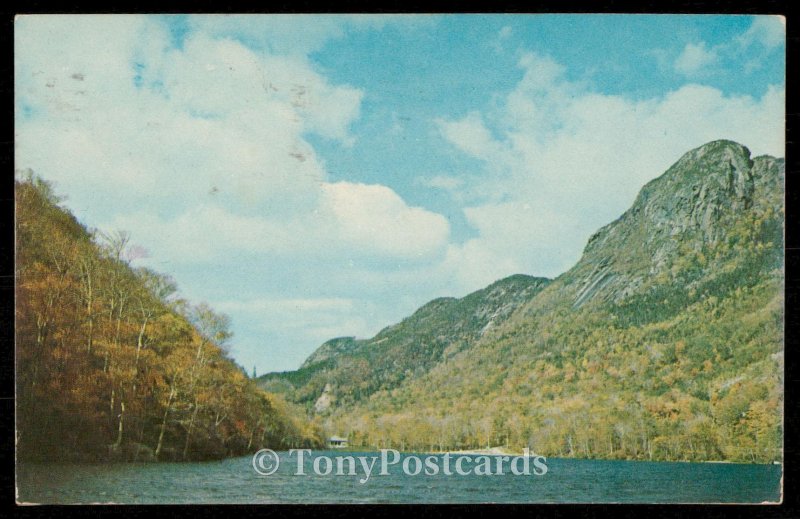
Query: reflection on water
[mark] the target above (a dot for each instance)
(235, 481)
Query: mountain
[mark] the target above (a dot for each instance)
(332, 348)
(664, 341)
(353, 369)
(110, 365)
(692, 207)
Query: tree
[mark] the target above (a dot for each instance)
(107, 360)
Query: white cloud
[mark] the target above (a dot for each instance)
(474, 265)
(290, 34)
(470, 135)
(263, 305)
(769, 31)
(350, 221)
(444, 182)
(575, 159)
(201, 152)
(281, 323)
(374, 216)
(503, 35)
(214, 129)
(695, 58)
(211, 117)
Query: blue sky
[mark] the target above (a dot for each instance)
(319, 176)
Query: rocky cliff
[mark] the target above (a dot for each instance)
(664, 341)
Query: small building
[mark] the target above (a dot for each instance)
(337, 442)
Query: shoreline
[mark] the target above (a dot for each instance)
(492, 451)
(502, 451)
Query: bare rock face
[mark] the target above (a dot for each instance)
(325, 400)
(662, 254)
(693, 204)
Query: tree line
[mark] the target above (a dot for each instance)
(691, 368)
(700, 388)
(112, 364)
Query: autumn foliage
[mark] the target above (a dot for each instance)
(111, 364)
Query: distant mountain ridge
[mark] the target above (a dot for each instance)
(330, 349)
(437, 329)
(664, 341)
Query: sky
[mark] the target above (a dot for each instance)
(323, 176)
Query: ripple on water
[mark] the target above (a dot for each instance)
(233, 481)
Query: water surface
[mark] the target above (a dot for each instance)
(235, 481)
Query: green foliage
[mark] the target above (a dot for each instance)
(408, 349)
(664, 342)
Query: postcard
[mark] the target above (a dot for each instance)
(408, 258)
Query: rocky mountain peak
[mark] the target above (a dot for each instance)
(693, 204)
(691, 195)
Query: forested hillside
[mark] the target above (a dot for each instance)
(353, 370)
(664, 342)
(111, 364)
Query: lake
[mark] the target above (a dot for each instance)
(235, 480)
